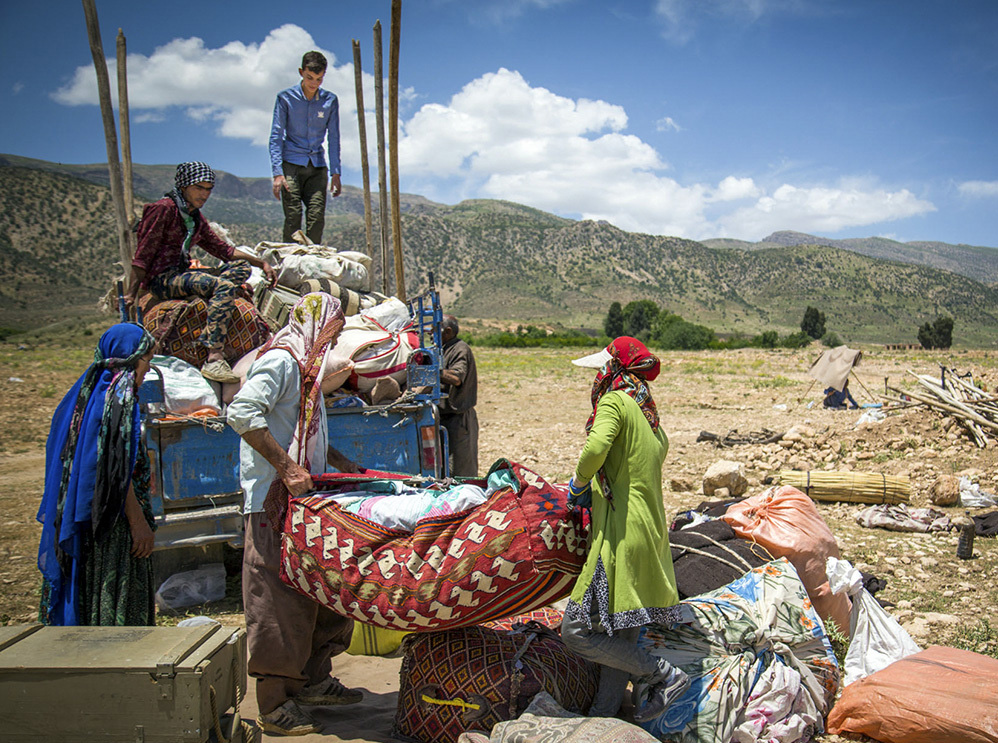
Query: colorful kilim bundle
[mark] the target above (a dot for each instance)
(520, 550)
(472, 678)
(547, 616)
(177, 325)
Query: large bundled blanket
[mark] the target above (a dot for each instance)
(177, 325)
(761, 665)
(519, 550)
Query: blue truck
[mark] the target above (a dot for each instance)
(195, 490)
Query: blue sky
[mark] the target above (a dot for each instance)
(695, 118)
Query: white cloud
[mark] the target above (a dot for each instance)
(680, 18)
(979, 189)
(667, 124)
(17, 88)
(822, 209)
(232, 86)
(498, 137)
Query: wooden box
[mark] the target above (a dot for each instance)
(134, 684)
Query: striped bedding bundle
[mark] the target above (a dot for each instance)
(518, 551)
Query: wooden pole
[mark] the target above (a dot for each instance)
(110, 136)
(126, 135)
(393, 144)
(379, 94)
(358, 81)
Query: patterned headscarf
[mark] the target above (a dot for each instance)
(90, 455)
(630, 368)
(313, 324)
(193, 172)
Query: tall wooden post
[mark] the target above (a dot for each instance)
(110, 136)
(379, 94)
(123, 127)
(393, 143)
(358, 81)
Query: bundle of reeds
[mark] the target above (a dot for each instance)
(849, 487)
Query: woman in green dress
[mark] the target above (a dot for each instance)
(628, 579)
(97, 533)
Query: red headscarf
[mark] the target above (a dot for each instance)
(630, 368)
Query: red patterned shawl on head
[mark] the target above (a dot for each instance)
(313, 324)
(629, 370)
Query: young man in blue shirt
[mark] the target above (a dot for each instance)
(305, 115)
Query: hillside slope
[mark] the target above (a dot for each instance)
(503, 261)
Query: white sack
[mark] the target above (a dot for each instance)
(392, 315)
(184, 389)
(876, 638)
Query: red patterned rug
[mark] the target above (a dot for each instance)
(519, 551)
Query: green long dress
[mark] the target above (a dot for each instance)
(628, 579)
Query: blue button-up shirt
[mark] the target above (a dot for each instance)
(299, 127)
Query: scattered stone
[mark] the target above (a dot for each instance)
(681, 485)
(725, 474)
(945, 491)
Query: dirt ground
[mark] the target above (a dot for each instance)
(533, 405)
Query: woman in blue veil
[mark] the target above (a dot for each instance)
(96, 522)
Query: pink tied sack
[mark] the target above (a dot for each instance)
(787, 523)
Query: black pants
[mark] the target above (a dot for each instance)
(307, 186)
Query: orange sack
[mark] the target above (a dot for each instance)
(940, 695)
(787, 523)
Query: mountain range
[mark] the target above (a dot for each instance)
(506, 263)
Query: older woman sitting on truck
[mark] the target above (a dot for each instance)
(167, 232)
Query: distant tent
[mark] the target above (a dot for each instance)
(833, 366)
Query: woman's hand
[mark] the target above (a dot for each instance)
(580, 495)
(143, 538)
(296, 479)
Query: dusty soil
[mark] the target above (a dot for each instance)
(532, 408)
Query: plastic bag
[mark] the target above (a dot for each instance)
(185, 391)
(391, 314)
(940, 695)
(192, 587)
(876, 638)
(787, 523)
(971, 495)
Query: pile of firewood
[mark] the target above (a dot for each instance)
(957, 396)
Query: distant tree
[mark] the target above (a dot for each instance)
(613, 325)
(813, 323)
(937, 334)
(639, 317)
(769, 339)
(831, 339)
(686, 336)
(796, 340)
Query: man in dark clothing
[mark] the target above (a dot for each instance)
(458, 416)
(837, 400)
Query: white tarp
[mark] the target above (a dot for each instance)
(833, 366)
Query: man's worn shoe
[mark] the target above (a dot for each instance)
(329, 692)
(219, 371)
(662, 695)
(288, 719)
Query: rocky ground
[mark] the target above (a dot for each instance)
(533, 405)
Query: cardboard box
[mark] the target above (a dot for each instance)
(135, 684)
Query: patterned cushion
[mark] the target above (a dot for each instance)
(520, 550)
(472, 678)
(547, 616)
(178, 323)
